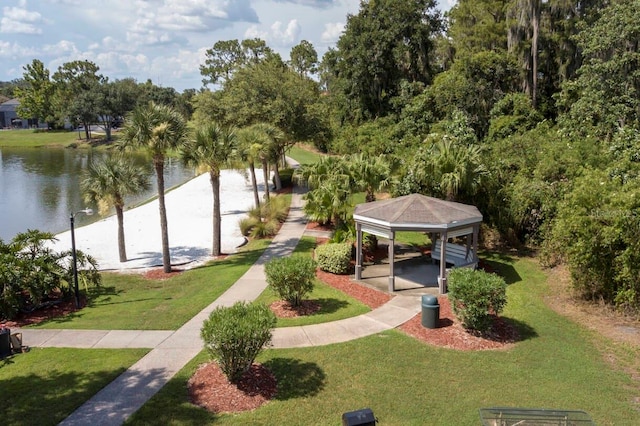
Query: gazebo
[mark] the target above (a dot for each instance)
(415, 212)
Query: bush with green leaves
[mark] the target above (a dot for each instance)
(30, 272)
(234, 336)
(291, 278)
(475, 296)
(334, 257)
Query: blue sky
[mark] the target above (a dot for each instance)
(161, 40)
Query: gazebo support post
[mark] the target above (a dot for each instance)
(392, 277)
(358, 251)
(476, 230)
(442, 279)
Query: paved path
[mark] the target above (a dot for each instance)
(172, 350)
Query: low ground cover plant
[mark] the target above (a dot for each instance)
(475, 296)
(234, 336)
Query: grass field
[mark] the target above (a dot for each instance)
(31, 138)
(131, 302)
(43, 386)
(303, 155)
(557, 364)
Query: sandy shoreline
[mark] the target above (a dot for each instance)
(189, 217)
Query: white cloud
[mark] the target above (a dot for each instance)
(276, 35)
(332, 32)
(18, 20)
(313, 3)
(63, 47)
(14, 50)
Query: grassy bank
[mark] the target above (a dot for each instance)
(34, 139)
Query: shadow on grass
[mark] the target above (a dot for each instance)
(502, 265)
(296, 379)
(48, 397)
(525, 331)
(330, 305)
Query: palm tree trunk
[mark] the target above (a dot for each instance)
(276, 176)
(214, 178)
(265, 173)
(254, 184)
(158, 164)
(122, 250)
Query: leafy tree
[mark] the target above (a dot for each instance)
(477, 26)
(156, 129)
(605, 94)
(387, 42)
(107, 183)
(228, 56)
(36, 96)
(304, 58)
(212, 148)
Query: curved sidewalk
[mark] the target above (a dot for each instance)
(172, 350)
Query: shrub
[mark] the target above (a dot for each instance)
(334, 257)
(30, 272)
(291, 278)
(234, 336)
(286, 178)
(475, 296)
(246, 224)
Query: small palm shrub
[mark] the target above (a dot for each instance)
(264, 221)
(234, 336)
(291, 278)
(334, 257)
(475, 296)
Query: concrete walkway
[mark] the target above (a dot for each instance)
(172, 350)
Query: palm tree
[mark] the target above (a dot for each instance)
(156, 129)
(454, 168)
(250, 142)
(267, 150)
(369, 174)
(329, 181)
(212, 149)
(107, 183)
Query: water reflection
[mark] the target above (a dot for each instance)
(39, 187)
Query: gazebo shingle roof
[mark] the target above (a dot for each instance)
(419, 210)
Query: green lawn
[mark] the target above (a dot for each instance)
(43, 386)
(131, 302)
(557, 364)
(335, 305)
(302, 155)
(31, 138)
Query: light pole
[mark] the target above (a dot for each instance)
(72, 217)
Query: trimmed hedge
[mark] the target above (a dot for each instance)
(291, 278)
(334, 257)
(475, 296)
(234, 336)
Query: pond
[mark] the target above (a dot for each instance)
(40, 187)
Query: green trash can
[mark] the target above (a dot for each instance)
(430, 311)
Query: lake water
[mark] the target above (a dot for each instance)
(40, 187)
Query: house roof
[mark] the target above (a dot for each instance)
(417, 212)
(9, 105)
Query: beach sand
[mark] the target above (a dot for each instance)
(189, 217)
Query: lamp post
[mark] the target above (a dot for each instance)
(72, 217)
